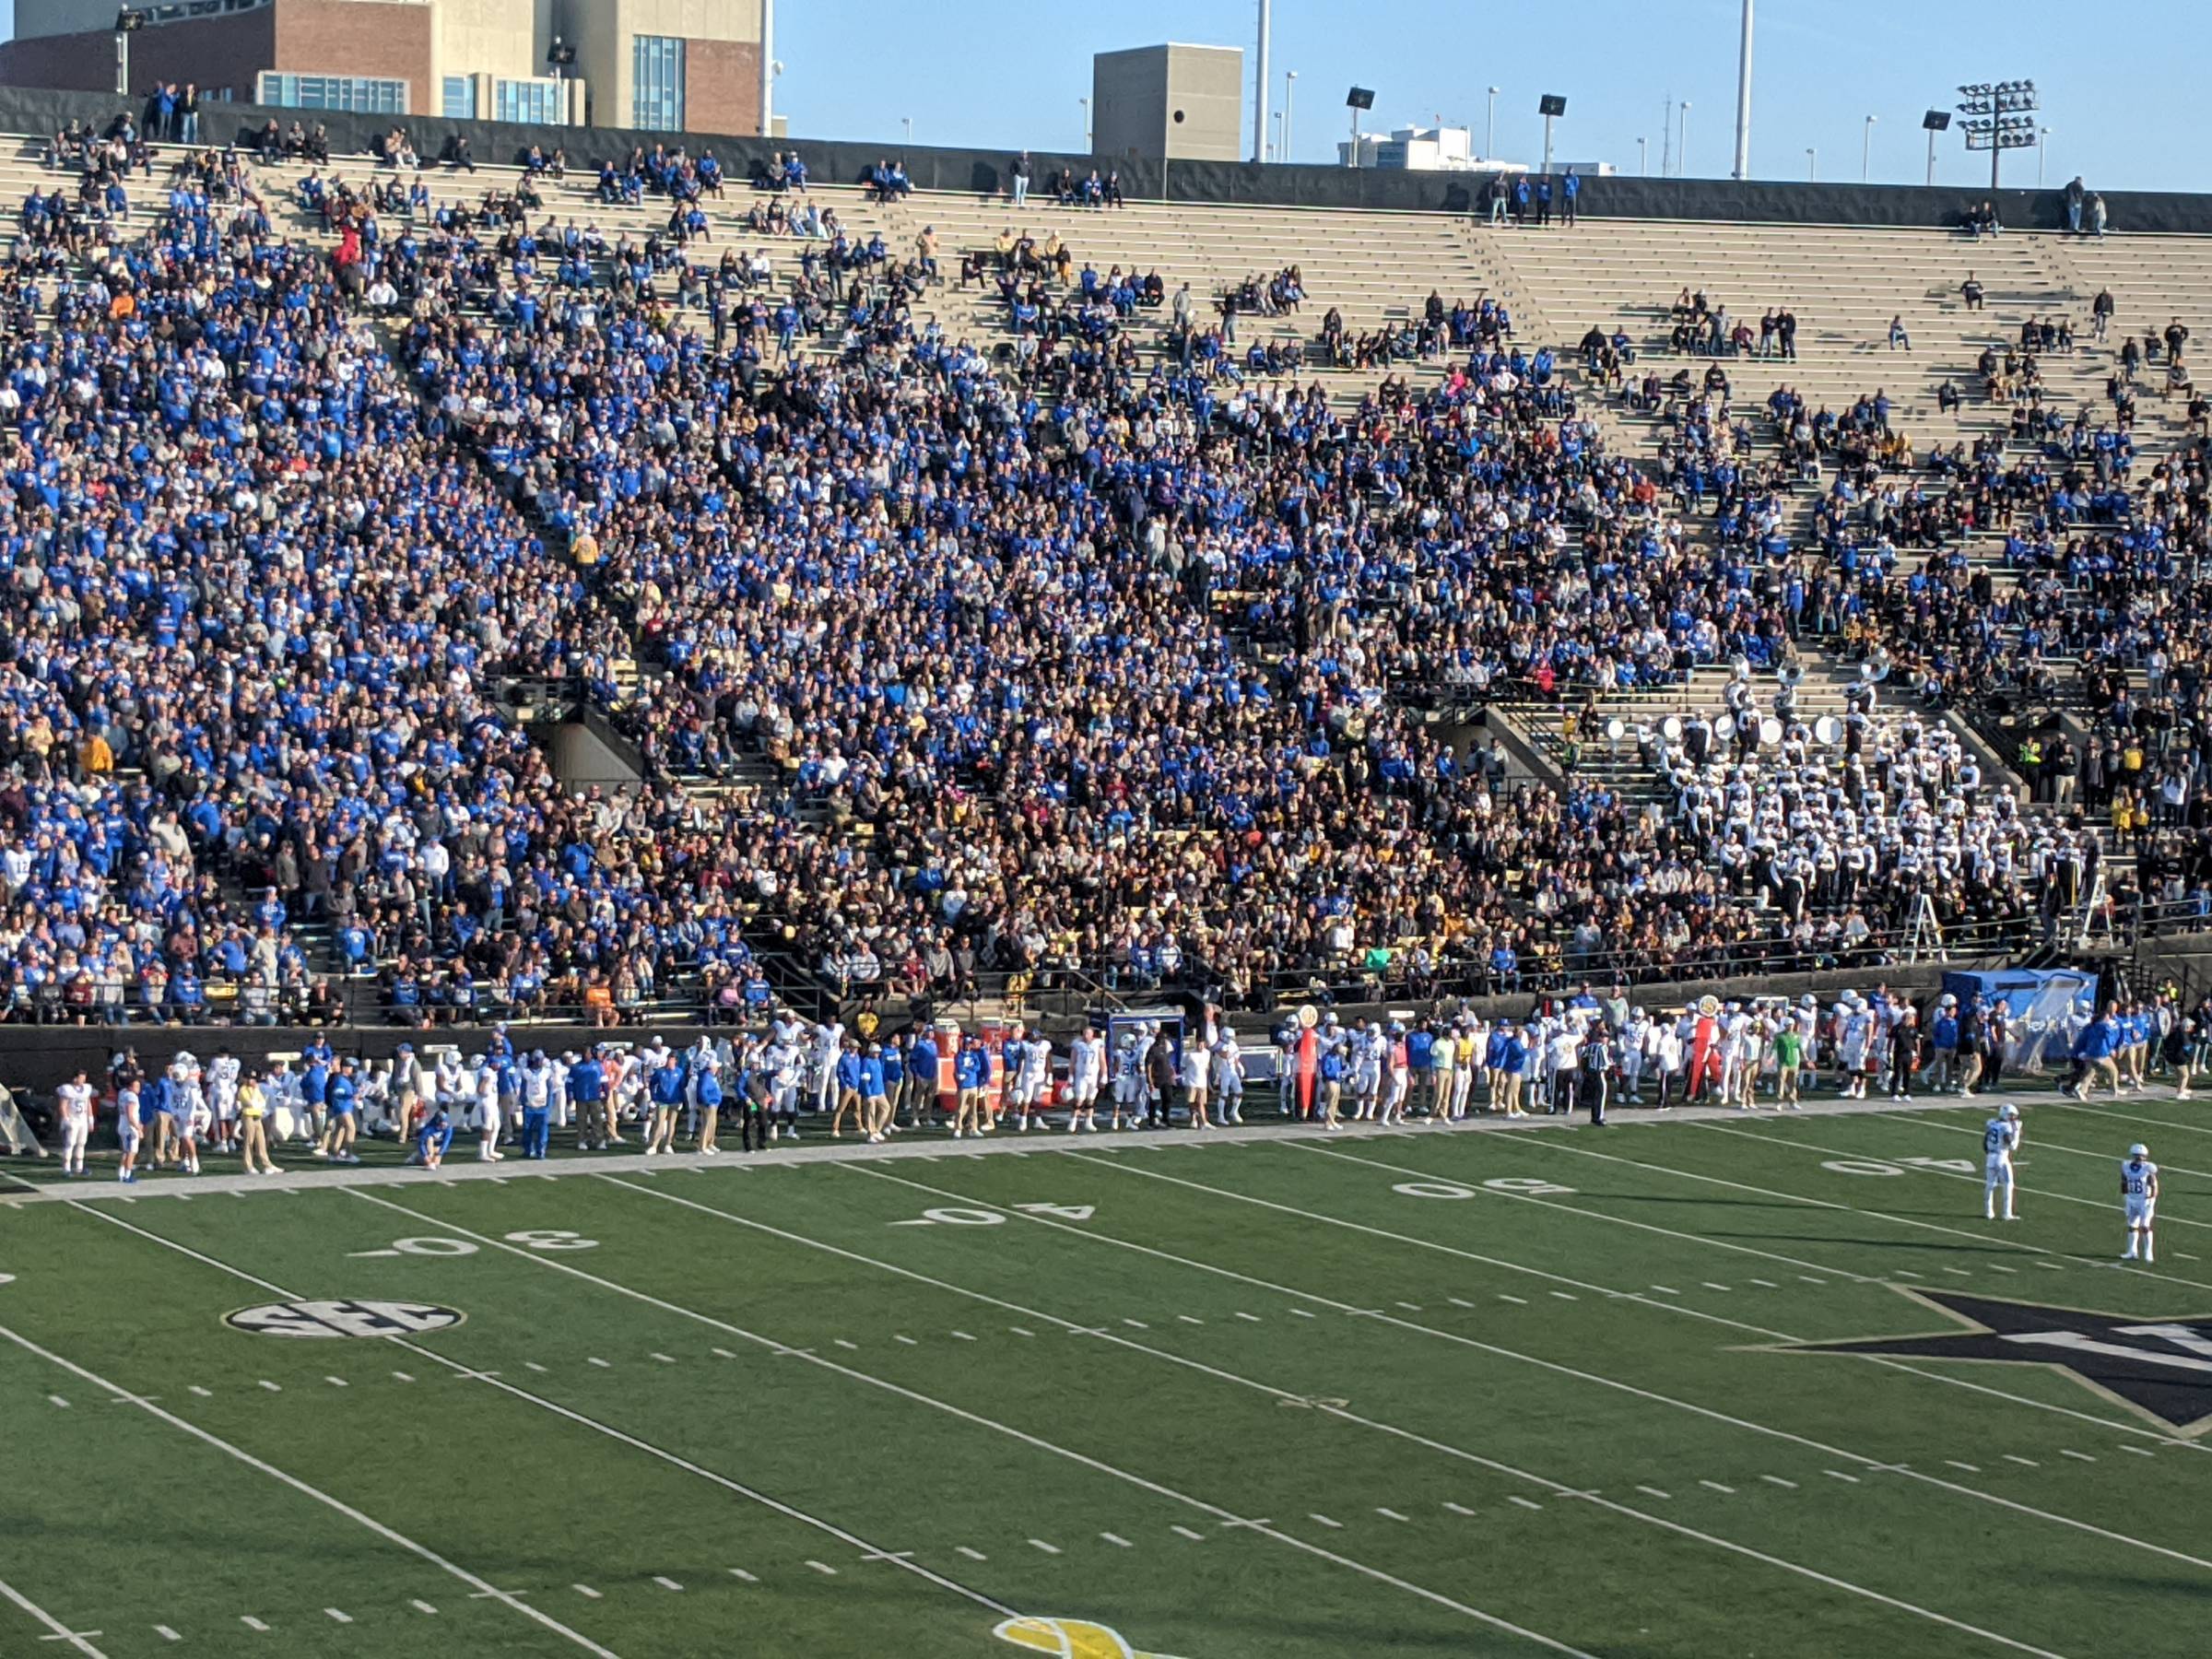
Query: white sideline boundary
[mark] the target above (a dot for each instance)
(1857, 1458)
(338, 1505)
(296, 1177)
(866, 1548)
(1556, 1488)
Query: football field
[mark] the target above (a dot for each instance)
(1278, 1397)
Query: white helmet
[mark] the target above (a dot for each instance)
(2138, 1150)
(2009, 1110)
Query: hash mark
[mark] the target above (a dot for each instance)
(1519, 1301)
(1181, 1530)
(851, 1346)
(1778, 1481)
(594, 1359)
(1839, 1474)
(1564, 1297)
(1526, 1502)
(422, 1607)
(665, 1583)
(59, 1401)
(1410, 1306)
(1970, 1468)
(973, 1555)
(2026, 1463)
(1334, 1525)
(167, 1634)
(1249, 1318)
(337, 1616)
(2078, 1456)
(1021, 1330)
(1188, 1320)
(1459, 1302)
(1390, 1514)
(724, 1354)
(1655, 1491)
(1770, 1284)
(908, 1340)
(403, 1376)
(251, 1622)
(665, 1358)
(272, 1387)
(1711, 1286)
(1717, 1487)
(1999, 1267)
(1117, 1540)
(201, 1391)
(1048, 1549)
(1300, 1313)
(1137, 1325)
(534, 1365)
(1457, 1509)
(335, 1381)
(1958, 1272)
(739, 1572)
(1667, 1290)
(823, 1567)
(963, 1336)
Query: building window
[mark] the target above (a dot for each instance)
(656, 97)
(531, 101)
(361, 94)
(460, 99)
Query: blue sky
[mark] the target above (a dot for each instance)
(1008, 72)
(1004, 73)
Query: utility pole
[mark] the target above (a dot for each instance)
(767, 68)
(1743, 100)
(1289, 92)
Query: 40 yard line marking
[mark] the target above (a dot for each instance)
(959, 1413)
(1556, 1488)
(1860, 1458)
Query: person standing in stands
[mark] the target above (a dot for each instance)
(1544, 201)
(1571, 189)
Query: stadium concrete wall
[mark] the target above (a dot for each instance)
(983, 172)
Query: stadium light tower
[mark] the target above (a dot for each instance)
(1642, 157)
(1812, 164)
(1551, 106)
(1682, 143)
(1490, 128)
(1743, 100)
(1289, 92)
(2000, 115)
(1866, 148)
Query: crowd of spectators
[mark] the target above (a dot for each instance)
(1035, 655)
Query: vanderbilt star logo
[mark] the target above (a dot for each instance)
(2162, 1367)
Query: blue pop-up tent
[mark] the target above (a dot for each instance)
(2043, 1007)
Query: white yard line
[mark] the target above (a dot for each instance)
(961, 1414)
(78, 1640)
(582, 1420)
(337, 1505)
(1557, 1489)
(2115, 1425)
(1859, 1458)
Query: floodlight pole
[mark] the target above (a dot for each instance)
(1547, 119)
(1259, 112)
(1931, 158)
(1354, 135)
(767, 68)
(1743, 100)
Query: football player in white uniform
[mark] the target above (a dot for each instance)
(222, 1099)
(1086, 1063)
(2000, 1140)
(72, 1104)
(2139, 1193)
(1228, 1079)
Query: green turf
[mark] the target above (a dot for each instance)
(1228, 1400)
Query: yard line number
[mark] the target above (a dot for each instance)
(955, 1216)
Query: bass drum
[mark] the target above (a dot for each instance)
(1671, 728)
(1769, 730)
(1827, 731)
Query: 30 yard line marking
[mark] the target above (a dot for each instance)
(79, 1640)
(516, 1392)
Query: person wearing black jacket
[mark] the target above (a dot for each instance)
(1595, 1064)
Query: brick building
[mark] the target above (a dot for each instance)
(658, 64)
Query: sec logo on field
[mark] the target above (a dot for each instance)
(342, 1319)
